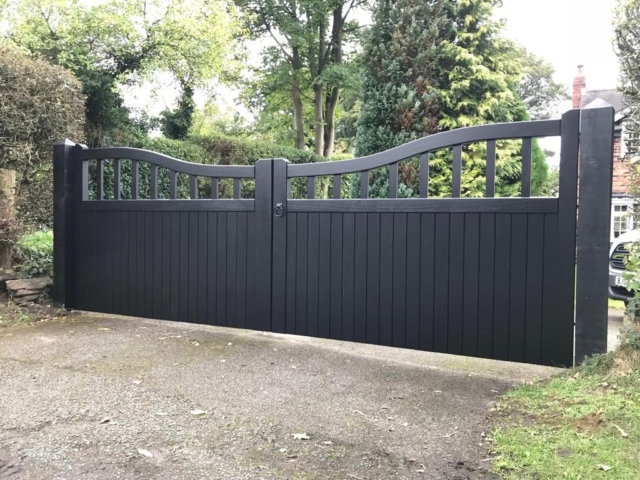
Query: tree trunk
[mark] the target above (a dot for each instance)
(7, 214)
(298, 121)
(332, 100)
(318, 100)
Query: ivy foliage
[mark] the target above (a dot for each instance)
(438, 65)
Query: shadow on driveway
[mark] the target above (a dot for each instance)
(97, 397)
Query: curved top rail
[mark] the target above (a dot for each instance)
(496, 131)
(180, 166)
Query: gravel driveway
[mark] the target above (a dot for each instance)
(98, 397)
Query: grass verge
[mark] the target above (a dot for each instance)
(616, 304)
(582, 424)
(11, 314)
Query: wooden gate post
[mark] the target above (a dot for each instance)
(594, 217)
(62, 188)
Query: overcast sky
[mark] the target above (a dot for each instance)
(567, 33)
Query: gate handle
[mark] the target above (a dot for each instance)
(279, 210)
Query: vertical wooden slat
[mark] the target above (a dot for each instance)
(348, 262)
(551, 291)
(84, 190)
(221, 270)
(124, 272)
(141, 240)
(193, 266)
(313, 274)
(214, 188)
(399, 278)
(501, 287)
(232, 270)
(413, 281)
(535, 262)
(148, 265)
(174, 284)
(153, 182)
(132, 263)
(289, 188)
(456, 283)
(485, 284)
(526, 167)
(237, 193)
(173, 185)
(116, 267)
(290, 300)
(336, 276)
(386, 279)
(301, 274)
(393, 180)
(424, 175)
(212, 269)
(100, 179)
(427, 279)
(311, 187)
(193, 187)
(517, 287)
(491, 169)
(337, 186)
(364, 184)
(457, 172)
(470, 284)
(360, 279)
(165, 269)
(241, 269)
(373, 277)
(158, 240)
(441, 285)
(135, 179)
(203, 250)
(184, 267)
(116, 179)
(107, 272)
(324, 286)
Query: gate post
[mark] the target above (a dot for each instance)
(62, 212)
(260, 312)
(594, 217)
(279, 247)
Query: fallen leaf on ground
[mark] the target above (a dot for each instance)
(294, 367)
(229, 344)
(198, 413)
(622, 432)
(437, 391)
(146, 453)
(300, 436)
(328, 442)
(104, 329)
(105, 420)
(162, 414)
(603, 467)
(358, 412)
(405, 424)
(137, 382)
(282, 450)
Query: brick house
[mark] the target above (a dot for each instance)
(621, 202)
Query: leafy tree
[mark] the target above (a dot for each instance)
(627, 46)
(433, 66)
(309, 36)
(537, 89)
(122, 41)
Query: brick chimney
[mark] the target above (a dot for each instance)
(579, 84)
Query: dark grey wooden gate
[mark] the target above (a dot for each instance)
(487, 277)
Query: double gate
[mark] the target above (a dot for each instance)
(487, 277)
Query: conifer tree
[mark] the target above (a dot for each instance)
(436, 65)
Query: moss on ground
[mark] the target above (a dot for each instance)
(582, 424)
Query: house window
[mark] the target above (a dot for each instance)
(621, 219)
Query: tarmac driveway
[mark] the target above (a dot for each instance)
(98, 397)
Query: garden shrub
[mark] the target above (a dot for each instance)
(40, 104)
(34, 253)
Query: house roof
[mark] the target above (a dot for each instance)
(594, 98)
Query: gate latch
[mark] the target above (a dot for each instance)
(279, 210)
